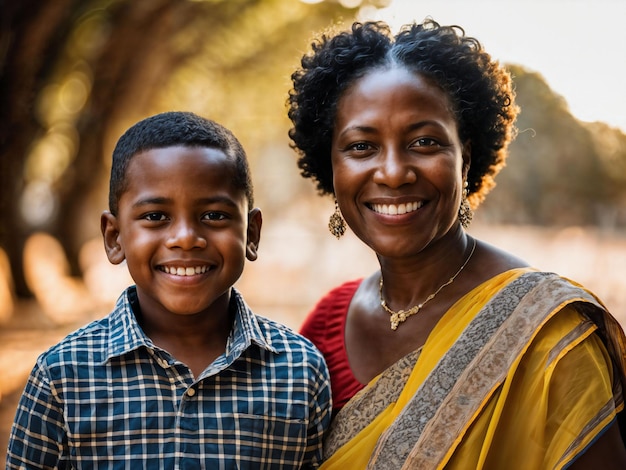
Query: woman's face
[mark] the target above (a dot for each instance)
(398, 163)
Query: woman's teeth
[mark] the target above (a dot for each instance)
(396, 209)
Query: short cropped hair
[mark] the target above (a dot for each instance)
(479, 89)
(172, 129)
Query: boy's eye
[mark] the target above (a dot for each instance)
(155, 217)
(214, 216)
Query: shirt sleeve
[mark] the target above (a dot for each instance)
(38, 439)
(320, 415)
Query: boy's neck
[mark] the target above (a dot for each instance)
(195, 340)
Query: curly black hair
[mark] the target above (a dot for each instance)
(479, 89)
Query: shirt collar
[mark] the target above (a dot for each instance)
(126, 335)
(246, 329)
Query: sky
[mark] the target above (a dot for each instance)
(578, 46)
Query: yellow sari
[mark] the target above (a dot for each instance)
(525, 371)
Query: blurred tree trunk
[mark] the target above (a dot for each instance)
(32, 33)
(35, 38)
(128, 50)
(230, 59)
(124, 75)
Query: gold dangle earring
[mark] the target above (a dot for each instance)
(336, 224)
(465, 211)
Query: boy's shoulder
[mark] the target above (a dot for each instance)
(90, 343)
(270, 333)
(284, 338)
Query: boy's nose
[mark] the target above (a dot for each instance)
(187, 236)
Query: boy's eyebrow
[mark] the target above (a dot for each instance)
(205, 200)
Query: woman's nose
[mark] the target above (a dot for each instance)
(395, 169)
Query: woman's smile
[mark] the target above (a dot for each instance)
(396, 209)
(397, 152)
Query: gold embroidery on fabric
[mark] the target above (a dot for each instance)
(353, 417)
(423, 434)
(544, 297)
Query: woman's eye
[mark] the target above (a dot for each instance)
(360, 146)
(426, 142)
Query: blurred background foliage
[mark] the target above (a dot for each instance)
(74, 74)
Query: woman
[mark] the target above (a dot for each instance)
(454, 354)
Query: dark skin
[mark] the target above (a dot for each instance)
(185, 231)
(196, 342)
(373, 346)
(396, 145)
(607, 453)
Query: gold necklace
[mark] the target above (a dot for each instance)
(400, 316)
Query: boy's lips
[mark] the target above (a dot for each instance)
(185, 270)
(396, 209)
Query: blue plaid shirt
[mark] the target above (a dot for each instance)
(107, 398)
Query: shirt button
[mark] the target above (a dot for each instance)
(191, 392)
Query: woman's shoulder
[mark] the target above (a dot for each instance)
(328, 315)
(338, 298)
(494, 260)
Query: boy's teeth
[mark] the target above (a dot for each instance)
(185, 271)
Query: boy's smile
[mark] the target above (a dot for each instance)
(184, 229)
(181, 271)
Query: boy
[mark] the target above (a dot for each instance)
(181, 374)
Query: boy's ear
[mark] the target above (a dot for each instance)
(255, 220)
(110, 234)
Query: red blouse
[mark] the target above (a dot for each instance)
(325, 326)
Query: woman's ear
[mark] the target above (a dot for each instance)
(255, 220)
(467, 158)
(111, 234)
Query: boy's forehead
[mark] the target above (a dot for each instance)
(181, 150)
(197, 171)
(190, 157)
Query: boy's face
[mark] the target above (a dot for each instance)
(183, 228)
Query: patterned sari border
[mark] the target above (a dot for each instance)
(428, 429)
(354, 417)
